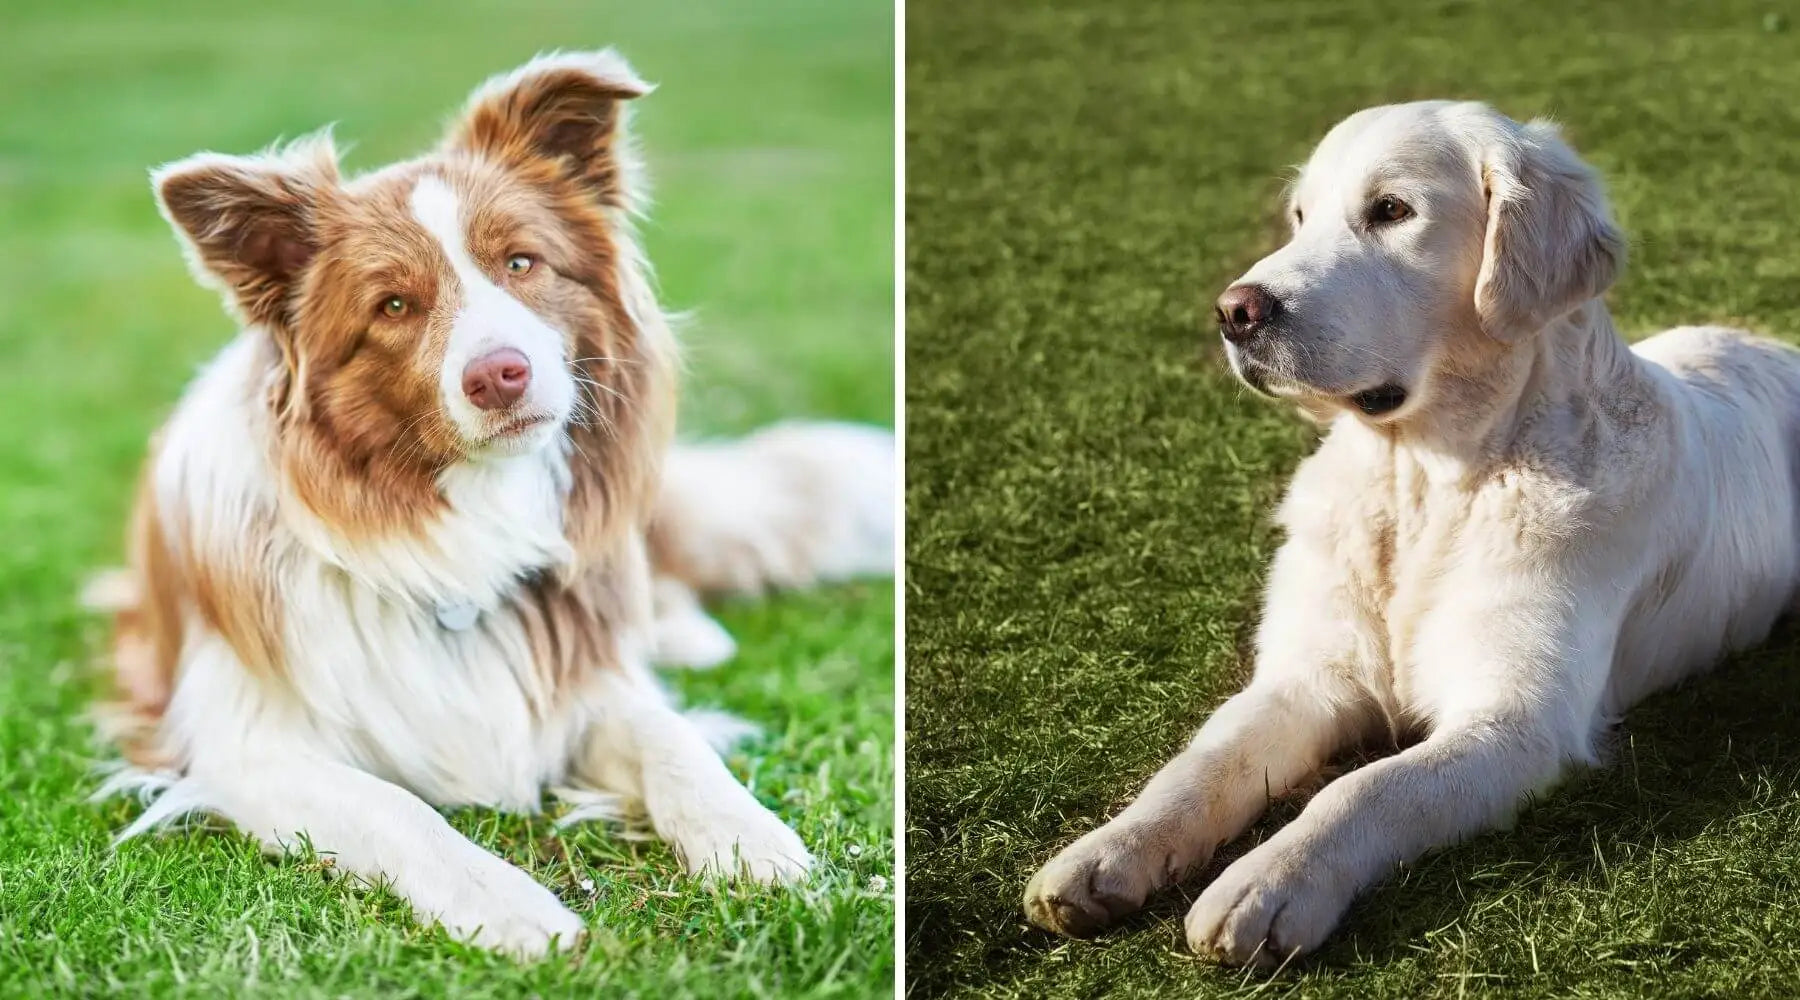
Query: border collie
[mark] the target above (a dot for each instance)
(411, 541)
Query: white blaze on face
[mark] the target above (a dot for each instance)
(488, 320)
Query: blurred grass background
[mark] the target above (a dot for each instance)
(770, 142)
(1089, 491)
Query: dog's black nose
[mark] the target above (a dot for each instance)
(1243, 310)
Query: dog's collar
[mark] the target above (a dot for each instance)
(458, 616)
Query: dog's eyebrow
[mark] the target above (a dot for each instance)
(1416, 166)
(1399, 181)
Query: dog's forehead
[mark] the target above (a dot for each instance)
(384, 202)
(389, 189)
(374, 205)
(1392, 142)
(375, 237)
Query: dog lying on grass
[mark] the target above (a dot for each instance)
(395, 549)
(1515, 527)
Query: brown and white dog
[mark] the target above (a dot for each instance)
(396, 547)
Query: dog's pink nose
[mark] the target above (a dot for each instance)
(497, 379)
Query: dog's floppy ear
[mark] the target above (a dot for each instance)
(563, 110)
(1551, 242)
(247, 222)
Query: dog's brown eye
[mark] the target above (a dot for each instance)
(519, 264)
(1299, 217)
(394, 307)
(1388, 208)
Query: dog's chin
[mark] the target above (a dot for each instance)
(1271, 384)
(511, 434)
(1258, 378)
(1269, 380)
(1377, 402)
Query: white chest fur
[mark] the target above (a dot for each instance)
(409, 652)
(376, 679)
(459, 716)
(502, 519)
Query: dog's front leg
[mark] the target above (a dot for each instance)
(1258, 744)
(1286, 896)
(384, 834)
(1301, 706)
(1516, 680)
(644, 749)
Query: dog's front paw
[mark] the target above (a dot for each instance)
(510, 912)
(1095, 881)
(753, 844)
(1268, 907)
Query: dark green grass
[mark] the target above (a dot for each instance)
(1088, 490)
(771, 145)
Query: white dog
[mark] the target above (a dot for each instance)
(1516, 527)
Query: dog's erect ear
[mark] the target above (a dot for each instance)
(247, 221)
(1551, 241)
(562, 109)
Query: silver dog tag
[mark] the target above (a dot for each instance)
(457, 617)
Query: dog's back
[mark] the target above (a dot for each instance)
(1734, 425)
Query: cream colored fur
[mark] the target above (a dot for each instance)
(1551, 526)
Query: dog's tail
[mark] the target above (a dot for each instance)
(789, 506)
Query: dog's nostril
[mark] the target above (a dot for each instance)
(497, 379)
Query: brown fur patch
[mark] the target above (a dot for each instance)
(146, 636)
(233, 596)
(249, 222)
(561, 116)
(571, 623)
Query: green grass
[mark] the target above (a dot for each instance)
(1089, 491)
(771, 143)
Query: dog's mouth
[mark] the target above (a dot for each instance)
(515, 427)
(1381, 400)
(1377, 401)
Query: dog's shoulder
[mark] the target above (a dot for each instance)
(1583, 459)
